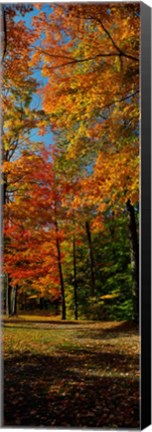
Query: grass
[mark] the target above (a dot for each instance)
(70, 374)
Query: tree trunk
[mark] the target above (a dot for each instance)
(134, 259)
(5, 200)
(14, 305)
(56, 307)
(75, 281)
(4, 48)
(92, 278)
(60, 272)
(42, 304)
(4, 32)
(8, 297)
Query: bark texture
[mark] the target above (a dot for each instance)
(134, 247)
(75, 281)
(60, 272)
(92, 277)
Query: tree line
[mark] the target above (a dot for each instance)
(71, 206)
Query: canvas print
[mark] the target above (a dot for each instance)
(70, 161)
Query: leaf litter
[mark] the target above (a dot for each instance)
(80, 376)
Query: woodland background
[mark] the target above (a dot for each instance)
(70, 135)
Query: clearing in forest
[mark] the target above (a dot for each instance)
(71, 374)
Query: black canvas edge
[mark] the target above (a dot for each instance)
(145, 235)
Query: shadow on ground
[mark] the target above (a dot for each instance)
(83, 330)
(71, 390)
(37, 321)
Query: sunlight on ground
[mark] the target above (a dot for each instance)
(53, 368)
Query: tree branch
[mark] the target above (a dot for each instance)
(74, 61)
(4, 33)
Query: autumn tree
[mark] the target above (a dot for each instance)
(91, 60)
(18, 87)
(35, 216)
(90, 56)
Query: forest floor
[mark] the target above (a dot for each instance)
(70, 374)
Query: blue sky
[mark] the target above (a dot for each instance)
(36, 100)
